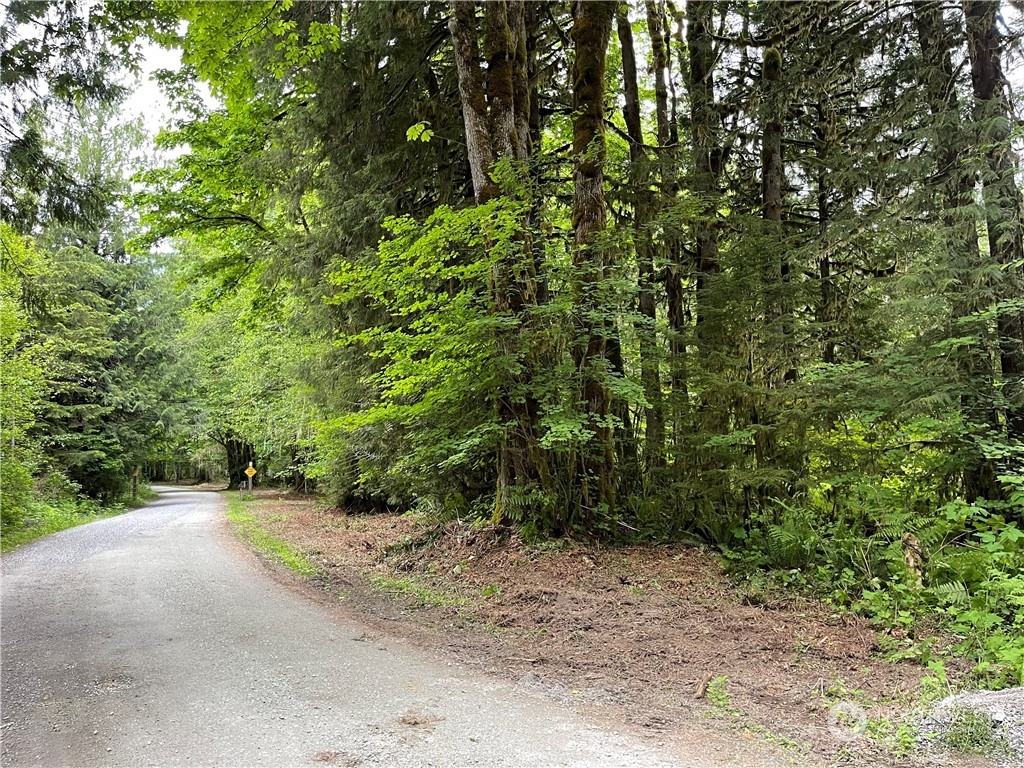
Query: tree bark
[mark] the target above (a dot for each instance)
(679, 319)
(707, 167)
(497, 113)
(592, 23)
(826, 311)
(650, 377)
(462, 26)
(950, 150)
(773, 113)
(777, 357)
(705, 151)
(659, 64)
(993, 118)
(500, 51)
(771, 138)
(534, 126)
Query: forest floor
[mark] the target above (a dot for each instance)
(658, 637)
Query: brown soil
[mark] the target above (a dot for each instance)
(658, 636)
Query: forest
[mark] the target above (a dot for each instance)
(736, 272)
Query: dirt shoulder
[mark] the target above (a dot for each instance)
(655, 637)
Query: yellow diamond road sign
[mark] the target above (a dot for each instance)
(250, 471)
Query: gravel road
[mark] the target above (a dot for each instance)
(153, 638)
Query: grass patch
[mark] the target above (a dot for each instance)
(418, 592)
(897, 735)
(45, 518)
(276, 549)
(146, 495)
(974, 733)
(719, 698)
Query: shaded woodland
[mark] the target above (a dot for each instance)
(748, 273)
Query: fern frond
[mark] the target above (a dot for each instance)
(952, 593)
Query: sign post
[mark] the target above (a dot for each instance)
(250, 472)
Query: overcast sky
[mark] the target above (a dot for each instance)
(146, 100)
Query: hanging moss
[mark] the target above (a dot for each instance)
(771, 69)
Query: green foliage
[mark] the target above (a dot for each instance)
(246, 366)
(59, 56)
(970, 571)
(22, 385)
(900, 736)
(437, 367)
(105, 322)
(719, 698)
(54, 506)
(89, 377)
(419, 132)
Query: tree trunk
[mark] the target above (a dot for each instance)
(705, 149)
(502, 78)
(239, 454)
(497, 113)
(590, 34)
(707, 166)
(826, 311)
(462, 26)
(534, 128)
(961, 232)
(994, 119)
(679, 319)
(650, 377)
(771, 137)
(776, 356)
(659, 63)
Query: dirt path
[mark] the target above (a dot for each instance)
(654, 637)
(153, 638)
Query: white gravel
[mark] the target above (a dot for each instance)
(1004, 710)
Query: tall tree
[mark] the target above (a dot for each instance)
(113, 383)
(592, 24)
(644, 245)
(1002, 198)
(951, 156)
(53, 56)
(22, 376)
(497, 114)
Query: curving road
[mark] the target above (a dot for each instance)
(152, 639)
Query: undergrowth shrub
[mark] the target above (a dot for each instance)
(888, 549)
(52, 503)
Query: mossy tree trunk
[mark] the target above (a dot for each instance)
(715, 403)
(775, 338)
(643, 209)
(497, 111)
(994, 120)
(592, 24)
(479, 149)
(956, 200)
